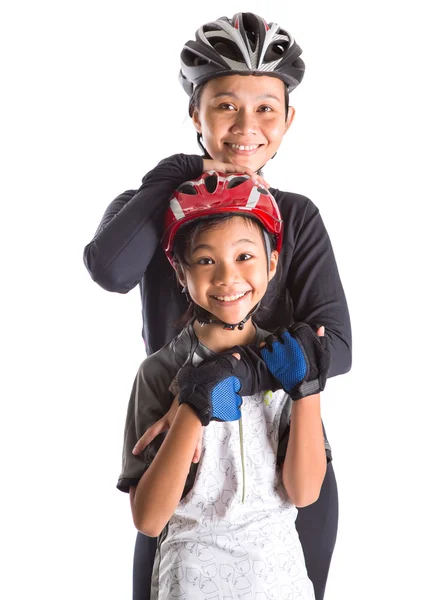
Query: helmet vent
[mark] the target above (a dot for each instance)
(188, 58)
(226, 48)
(276, 51)
(250, 24)
(188, 189)
(211, 183)
(236, 181)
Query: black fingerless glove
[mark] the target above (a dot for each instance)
(299, 359)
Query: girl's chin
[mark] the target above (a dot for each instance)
(229, 316)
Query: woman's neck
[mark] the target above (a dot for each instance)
(217, 339)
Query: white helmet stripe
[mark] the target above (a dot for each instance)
(254, 196)
(235, 35)
(176, 208)
(268, 39)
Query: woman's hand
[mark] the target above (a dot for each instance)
(298, 358)
(216, 165)
(162, 425)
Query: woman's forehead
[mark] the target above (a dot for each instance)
(259, 86)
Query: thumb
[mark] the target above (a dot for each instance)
(236, 355)
(321, 331)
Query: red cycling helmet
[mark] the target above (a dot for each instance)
(214, 193)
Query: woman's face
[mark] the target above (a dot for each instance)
(242, 119)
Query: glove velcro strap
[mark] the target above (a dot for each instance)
(307, 388)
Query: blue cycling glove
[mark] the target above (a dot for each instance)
(214, 389)
(299, 359)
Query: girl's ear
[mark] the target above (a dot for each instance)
(273, 263)
(180, 274)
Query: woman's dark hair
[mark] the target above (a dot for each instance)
(184, 241)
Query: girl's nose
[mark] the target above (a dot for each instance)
(225, 273)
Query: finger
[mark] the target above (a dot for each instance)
(152, 432)
(321, 331)
(262, 181)
(237, 356)
(198, 450)
(262, 344)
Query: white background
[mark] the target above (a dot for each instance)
(90, 103)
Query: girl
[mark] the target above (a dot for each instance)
(240, 109)
(226, 524)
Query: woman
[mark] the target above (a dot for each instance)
(238, 74)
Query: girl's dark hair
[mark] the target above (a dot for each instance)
(184, 241)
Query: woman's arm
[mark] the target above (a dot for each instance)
(130, 230)
(314, 284)
(305, 463)
(159, 490)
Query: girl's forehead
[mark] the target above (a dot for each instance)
(228, 232)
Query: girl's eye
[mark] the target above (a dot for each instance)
(265, 108)
(244, 256)
(205, 261)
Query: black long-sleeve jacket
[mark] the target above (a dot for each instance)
(126, 251)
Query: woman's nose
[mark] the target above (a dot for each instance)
(245, 123)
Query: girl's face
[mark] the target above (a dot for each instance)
(242, 119)
(228, 269)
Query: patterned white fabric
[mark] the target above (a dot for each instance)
(233, 536)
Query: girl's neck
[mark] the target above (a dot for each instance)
(217, 339)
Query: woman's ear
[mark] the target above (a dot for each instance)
(273, 263)
(290, 117)
(196, 120)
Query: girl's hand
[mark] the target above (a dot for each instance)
(162, 425)
(216, 165)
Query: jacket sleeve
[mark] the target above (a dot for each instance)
(315, 287)
(130, 229)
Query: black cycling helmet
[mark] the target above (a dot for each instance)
(245, 44)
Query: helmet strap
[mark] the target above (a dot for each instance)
(206, 318)
(201, 146)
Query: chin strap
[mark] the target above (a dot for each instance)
(206, 318)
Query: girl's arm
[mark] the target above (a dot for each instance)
(305, 463)
(130, 230)
(155, 498)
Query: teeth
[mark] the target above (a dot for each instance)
(241, 147)
(230, 298)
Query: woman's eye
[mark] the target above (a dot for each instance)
(265, 108)
(244, 256)
(226, 106)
